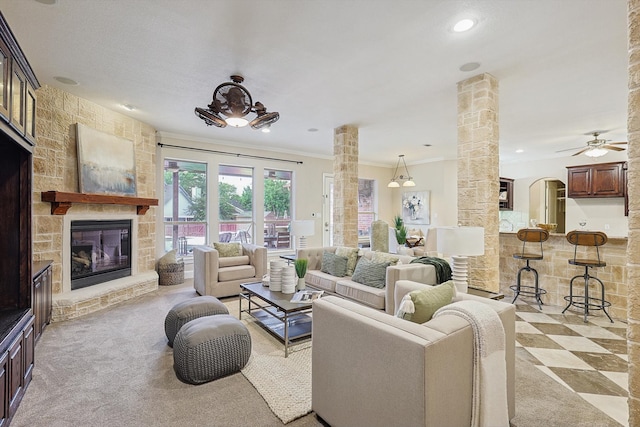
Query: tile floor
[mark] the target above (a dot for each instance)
(590, 358)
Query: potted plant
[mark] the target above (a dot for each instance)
(401, 230)
(301, 269)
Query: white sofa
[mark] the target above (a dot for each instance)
(380, 299)
(370, 368)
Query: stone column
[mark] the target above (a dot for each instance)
(345, 186)
(478, 169)
(633, 188)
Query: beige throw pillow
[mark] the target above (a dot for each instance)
(352, 257)
(385, 257)
(169, 258)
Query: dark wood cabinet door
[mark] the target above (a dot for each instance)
(28, 346)
(4, 387)
(579, 182)
(16, 378)
(607, 180)
(5, 79)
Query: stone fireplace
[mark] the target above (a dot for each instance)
(55, 168)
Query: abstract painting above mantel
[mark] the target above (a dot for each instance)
(415, 207)
(106, 163)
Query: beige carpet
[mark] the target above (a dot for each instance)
(114, 368)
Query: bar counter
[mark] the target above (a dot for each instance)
(556, 272)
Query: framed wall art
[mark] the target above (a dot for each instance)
(106, 163)
(415, 207)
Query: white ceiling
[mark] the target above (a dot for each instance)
(389, 67)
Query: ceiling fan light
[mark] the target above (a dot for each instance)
(596, 152)
(237, 122)
(393, 184)
(409, 183)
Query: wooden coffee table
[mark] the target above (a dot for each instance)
(288, 321)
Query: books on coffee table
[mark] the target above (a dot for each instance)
(306, 296)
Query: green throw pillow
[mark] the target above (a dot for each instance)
(419, 306)
(333, 264)
(228, 249)
(370, 273)
(352, 257)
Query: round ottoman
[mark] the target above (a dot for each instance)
(188, 310)
(210, 347)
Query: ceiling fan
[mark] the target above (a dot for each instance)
(596, 147)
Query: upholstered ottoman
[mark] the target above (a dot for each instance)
(189, 310)
(210, 347)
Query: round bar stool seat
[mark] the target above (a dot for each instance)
(529, 235)
(586, 302)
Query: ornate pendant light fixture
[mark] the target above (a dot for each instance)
(231, 104)
(394, 183)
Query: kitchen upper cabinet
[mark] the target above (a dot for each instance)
(505, 198)
(599, 180)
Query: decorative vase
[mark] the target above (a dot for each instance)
(301, 284)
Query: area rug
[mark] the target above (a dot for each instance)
(284, 383)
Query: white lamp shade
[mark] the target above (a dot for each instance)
(465, 241)
(305, 227)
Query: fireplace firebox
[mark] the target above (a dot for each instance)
(100, 251)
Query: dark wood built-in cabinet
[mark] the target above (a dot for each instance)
(599, 180)
(42, 296)
(17, 136)
(505, 198)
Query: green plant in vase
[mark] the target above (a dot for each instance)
(301, 269)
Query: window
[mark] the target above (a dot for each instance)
(185, 205)
(277, 209)
(235, 192)
(366, 207)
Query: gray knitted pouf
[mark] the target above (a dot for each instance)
(189, 310)
(210, 347)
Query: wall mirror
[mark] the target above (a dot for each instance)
(547, 203)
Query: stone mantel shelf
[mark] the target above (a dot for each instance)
(61, 201)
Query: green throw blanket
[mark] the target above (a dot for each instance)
(443, 270)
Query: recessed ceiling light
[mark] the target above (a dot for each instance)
(519, 150)
(427, 145)
(470, 66)
(128, 107)
(312, 130)
(49, 2)
(464, 25)
(66, 80)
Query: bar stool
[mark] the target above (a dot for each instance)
(530, 235)
(587, 238)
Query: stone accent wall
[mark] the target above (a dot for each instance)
(633, 187)
(555, 272)
(345, 186)
(478, 170)
(55, 167)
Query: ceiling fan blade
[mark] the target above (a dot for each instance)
(611, 147)
(617, 143)
(581, 151)
(568, 149)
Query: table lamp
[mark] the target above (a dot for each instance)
(460, 243)
(302, 228)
